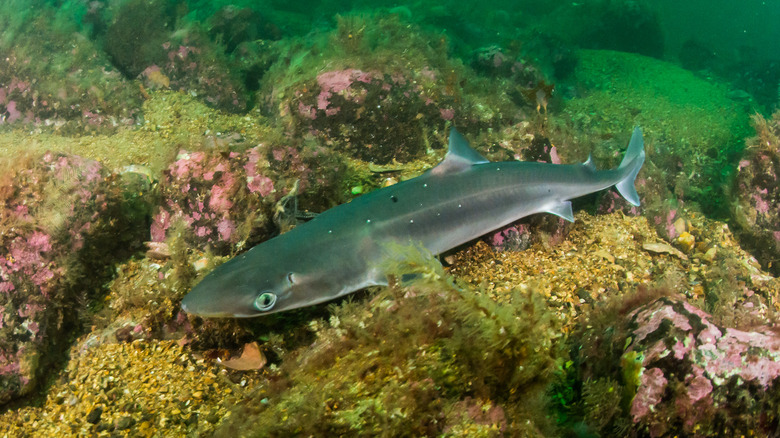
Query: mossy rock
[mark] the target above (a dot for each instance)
(693, 129)
(377, 89)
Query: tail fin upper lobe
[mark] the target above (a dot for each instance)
(632, 163)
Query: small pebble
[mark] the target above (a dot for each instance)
(94, 415)
(125, 422)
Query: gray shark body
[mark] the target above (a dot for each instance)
(345, 248)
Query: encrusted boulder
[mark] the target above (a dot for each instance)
(61, 224)
(73, 88)
(225, 197)
(353, 108)
(377, 90)
(691, 375)
(755, 202)
(194, 66)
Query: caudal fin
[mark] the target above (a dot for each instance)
(632, 163)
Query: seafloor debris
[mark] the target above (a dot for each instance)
(135, 389)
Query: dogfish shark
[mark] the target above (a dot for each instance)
(344, 249)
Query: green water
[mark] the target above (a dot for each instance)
(728, 40)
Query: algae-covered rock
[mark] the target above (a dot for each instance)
(213, 194)
(362, 99)
(61, 225)
(352, 106)
(145, 41)
(192, 64)
(696, 376)
(653, 363)
(226, 197)
(73, 87)
(424, 359)
(375, 88)
(755, 195)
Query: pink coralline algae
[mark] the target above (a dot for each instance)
(213, 194)
(649, 393)
(18, 89)
(29, 257)
(50, 210)
(193, 65)
(515, 237)
(756, 193)
(26, 257)
(694, 371)
(337, 82)
(547, 229)
(255, 181)
(83, 91)
(372, 115)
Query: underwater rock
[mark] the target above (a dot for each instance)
(545, 229)
(696, 376)
(191, 63)
(134, 35)
(378, 90)
(224, 198)
(515, 237)
(72, 88)
(755, 204)
(214, 194)
(352, 108)
(61, 226)
(143, 42)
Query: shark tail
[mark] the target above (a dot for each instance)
(631, 164)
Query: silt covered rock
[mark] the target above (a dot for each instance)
(61, 225)
(74, 88)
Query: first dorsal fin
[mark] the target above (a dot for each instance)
(589, 163)
(460, 156)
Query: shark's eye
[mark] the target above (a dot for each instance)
(265, 301)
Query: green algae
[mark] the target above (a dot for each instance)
(362, 41)
(421, 358)
(172, 121)
(602, 402)
(408, 73)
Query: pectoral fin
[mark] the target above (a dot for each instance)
(562, 209)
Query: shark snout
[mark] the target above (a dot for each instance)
(215, 297)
